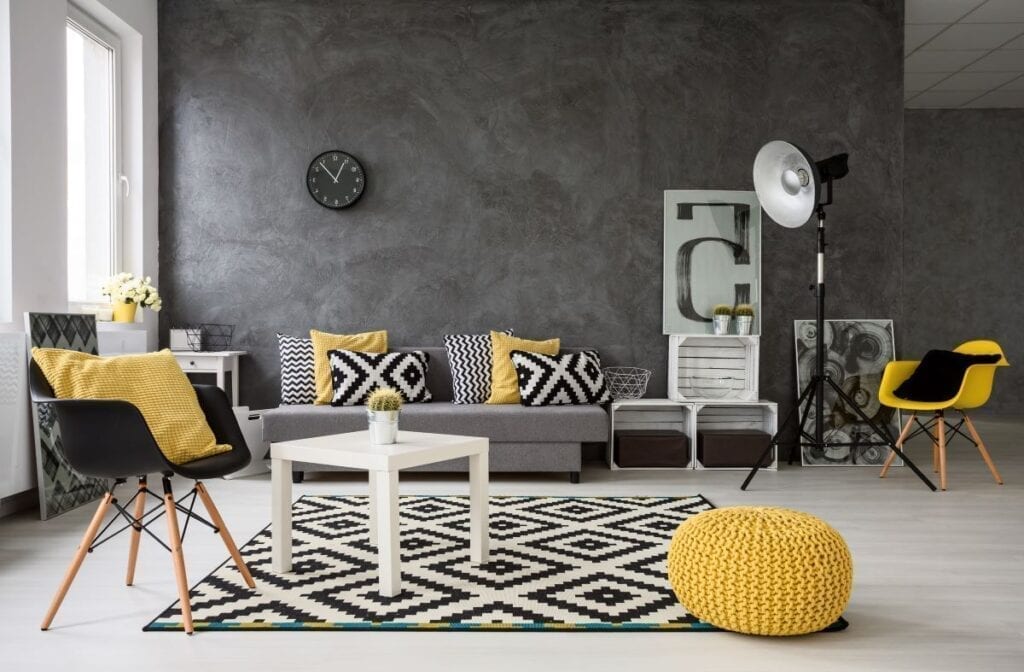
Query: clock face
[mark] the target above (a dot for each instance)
(335, 179)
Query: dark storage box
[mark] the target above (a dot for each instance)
(732, 447)
(651, 448)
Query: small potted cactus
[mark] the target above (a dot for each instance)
(382, 409)
(744, 318)
(721, 314)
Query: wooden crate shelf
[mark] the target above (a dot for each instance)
(696, 361)
(649, 414)
(732, 414)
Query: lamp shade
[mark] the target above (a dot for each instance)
(787, 183)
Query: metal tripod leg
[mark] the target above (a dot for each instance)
(801, 431)
(880, 431)
(805, 396)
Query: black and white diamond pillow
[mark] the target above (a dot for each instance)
(469, 356)
(354, 375)
(298, 386)
(546, 380)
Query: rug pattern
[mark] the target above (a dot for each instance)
(556, 563)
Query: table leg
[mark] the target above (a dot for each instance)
(234, 386)
(373, 508)
(220, 377)
(478, 515)
(388, 550)
(281, 515)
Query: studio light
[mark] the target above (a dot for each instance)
(787, 183)
(791, 187)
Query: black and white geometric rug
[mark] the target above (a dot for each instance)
(556, 563)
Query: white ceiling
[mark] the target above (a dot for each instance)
(964, 53)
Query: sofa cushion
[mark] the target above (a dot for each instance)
(470, 358)
(371, 341)
(355, 375)
(499, 423)
(504, 383)
(297, 383)
(569, 379)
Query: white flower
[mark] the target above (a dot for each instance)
(126, 288)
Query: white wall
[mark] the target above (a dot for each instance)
(5, 161)
(37, 167)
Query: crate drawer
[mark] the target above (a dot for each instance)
(652, 448)
(718, 448)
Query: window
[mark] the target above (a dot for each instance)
(93, 156)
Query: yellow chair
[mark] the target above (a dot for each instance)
(975, 390)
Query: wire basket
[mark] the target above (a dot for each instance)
(626, 382)
(210, 337)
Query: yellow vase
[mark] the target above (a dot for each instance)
(124, 312)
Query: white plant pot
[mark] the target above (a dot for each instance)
(383, 427)
(721, 324)
(744, 323)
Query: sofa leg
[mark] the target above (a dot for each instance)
(574, 477)
(298, 476)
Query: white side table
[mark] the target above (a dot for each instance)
(382, 463)
(220, 363)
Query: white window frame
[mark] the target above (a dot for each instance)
(119, 184)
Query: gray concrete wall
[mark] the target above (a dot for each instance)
(516, 155)
(963, 230)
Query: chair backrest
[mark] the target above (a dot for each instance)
(977, 386)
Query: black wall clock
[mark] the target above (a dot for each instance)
(335, 179)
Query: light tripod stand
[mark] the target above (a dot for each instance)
(788, 184)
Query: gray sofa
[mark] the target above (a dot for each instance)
(522, 439)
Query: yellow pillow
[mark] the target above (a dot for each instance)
(153, 383)
(371, 341)
(504, 382)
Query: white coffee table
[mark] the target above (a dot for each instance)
(382, 463)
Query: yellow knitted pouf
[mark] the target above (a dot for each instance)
(761, 570)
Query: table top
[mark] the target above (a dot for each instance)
(355, 451)
(618, 403)
(209, 353)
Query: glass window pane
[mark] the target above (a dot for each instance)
(91, 178)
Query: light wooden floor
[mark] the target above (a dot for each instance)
(939, 583)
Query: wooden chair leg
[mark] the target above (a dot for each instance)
(941, 424)
(76, 563)
(136, 533)
(899, 444)
(935, 452)
(177, 556)
(981, 448)
(224, 534)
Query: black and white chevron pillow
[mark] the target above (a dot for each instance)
(469, 356)
(354, 375)
(298, 386)
(546, 380)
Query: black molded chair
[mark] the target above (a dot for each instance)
(109, 439)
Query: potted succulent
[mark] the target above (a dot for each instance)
(721, 314)
(382, 409)
(127, 293)
(744, 318)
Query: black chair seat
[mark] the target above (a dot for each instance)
(214, 466)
